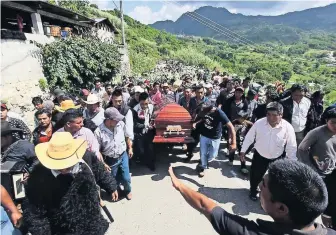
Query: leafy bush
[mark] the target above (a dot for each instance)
(75, 62)
(43, 84)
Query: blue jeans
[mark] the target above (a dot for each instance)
(208, 150)
(6, 225)
(120, 171)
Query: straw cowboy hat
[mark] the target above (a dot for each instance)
(92, 99)
(177, 84)
(61, 152)
(65, 105)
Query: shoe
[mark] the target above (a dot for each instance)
(201, 173)
(121, 187)
(212, 159)
(184, 147)
(244, 171)
(129, 196)
(231, 163)
(152, 167)
(187, 160)
(253, 197)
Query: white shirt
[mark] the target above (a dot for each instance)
(270, 142)
(126, 96)
(75, 169)
(300, 111)
(129, 124)
(112, 142)
(99, 92)
(97, 119)
(147, 114)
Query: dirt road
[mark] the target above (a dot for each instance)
(157, 208)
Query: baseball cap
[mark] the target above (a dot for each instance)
(165, 85)
(4, 106)
(113, 114)
(239, 89)
(58, 92)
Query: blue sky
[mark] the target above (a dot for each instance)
(149, 12)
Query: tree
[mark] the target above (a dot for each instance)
(94, 6)
(79, 6)
(75, 62)
(253, 69)
(263, 76)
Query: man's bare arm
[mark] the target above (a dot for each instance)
(232, 133)
(8, 203)
(195, 199)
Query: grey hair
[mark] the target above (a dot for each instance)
(275, 106)
(49, 105)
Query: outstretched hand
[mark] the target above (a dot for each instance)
(175, 181)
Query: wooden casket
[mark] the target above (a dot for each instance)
(173, 125)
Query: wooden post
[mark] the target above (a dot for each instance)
(122, 24)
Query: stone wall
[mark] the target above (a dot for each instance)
(21, 71)
(20, 74)
(125, 68)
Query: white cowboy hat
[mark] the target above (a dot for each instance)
(61, 152)
(138, 89)
(92, 99)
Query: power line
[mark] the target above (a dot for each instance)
(115, 5)
(221, 27)
(213, 27)
(213, 22)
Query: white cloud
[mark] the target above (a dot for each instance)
(172, 11)
(291, 6)
(168, 11)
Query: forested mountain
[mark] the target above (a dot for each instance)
(310, 60)
(285, 28)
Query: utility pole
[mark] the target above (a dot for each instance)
(122, 24)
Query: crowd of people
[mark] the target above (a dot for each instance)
(85, 142)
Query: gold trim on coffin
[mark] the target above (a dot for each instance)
(175, 128)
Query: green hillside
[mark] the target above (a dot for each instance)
(306, 60)
(286, 28)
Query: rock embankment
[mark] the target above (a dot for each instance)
(170, 69)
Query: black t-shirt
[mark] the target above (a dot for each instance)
(211, 126)
(260, 111)
(228, 224)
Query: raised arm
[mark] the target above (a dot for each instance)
(195, 199)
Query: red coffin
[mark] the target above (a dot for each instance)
(173, 125)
